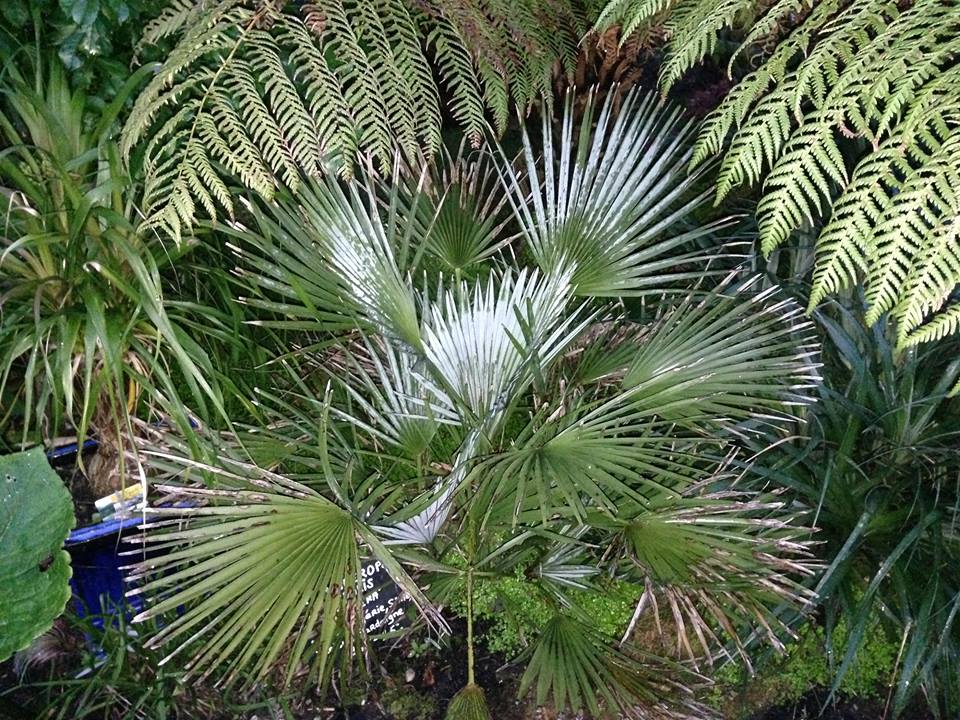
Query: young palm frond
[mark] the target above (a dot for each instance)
(611, 204)
(468, 704)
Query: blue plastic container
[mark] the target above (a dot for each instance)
(98, 579)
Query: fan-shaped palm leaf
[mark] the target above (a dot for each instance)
(482, 344)
(576, 668)
(328, 254)
(612, 203)
(720, 561)
(459, 210)
(265, 566)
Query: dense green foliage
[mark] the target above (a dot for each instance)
(85, 330)
(851, 120)
(805, 667)
(269, 91)
(881, 471)
(462, 432)
(474, 365)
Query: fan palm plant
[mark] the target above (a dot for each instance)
(84, 328)
(509, 415)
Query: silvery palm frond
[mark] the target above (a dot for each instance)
(483, 343)
(613, 201)
(397, 401)
(328, 255)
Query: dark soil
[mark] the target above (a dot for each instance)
(437, 677)
(76, 481)
(811, 707)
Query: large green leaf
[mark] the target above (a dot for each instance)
(36, 515)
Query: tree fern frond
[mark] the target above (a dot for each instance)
(453, 61)
(929, 193)
(694, 28)
(800, 184)
(847, 122)
(335, 83)
(944, 324)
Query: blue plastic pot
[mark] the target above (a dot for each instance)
(98, 582)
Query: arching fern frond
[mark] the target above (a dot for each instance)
(270, 92)
(850, 121)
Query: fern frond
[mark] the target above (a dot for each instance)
(800, 183)
(946, 323)
(925, 199)
(277, 92)
(453, 61)
(694, 29)
(850, 122)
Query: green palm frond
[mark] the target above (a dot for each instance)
(468, 704)
(267, 566)
(461, 213)
(574, 667)
(728, 355)
(267, 92)
(851, 121)
(611, 204)
(720, 562)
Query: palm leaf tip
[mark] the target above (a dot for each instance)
(468, 704)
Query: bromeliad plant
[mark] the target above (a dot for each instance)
(526, 412)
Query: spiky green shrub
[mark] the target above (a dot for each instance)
(851, 121)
